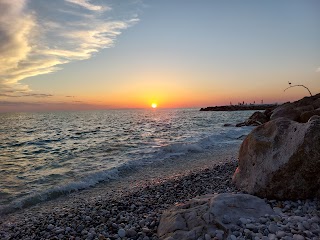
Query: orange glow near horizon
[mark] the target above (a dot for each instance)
(172, 95)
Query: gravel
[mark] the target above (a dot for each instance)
(135, 214)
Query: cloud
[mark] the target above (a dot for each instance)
(9, 103)
(37, 95)
(14, 44)
(318, 69)
(8, 106)
(34, 42)
(22, 92)
(88, 6)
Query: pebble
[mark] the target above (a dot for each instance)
(233, 237)
(280, 234)
(273, 228)
(306, 225)
(250, 226)
(50, 227)
(298, 237)
(219, 236)
(131, 232)
(145, 230)
(136, 215)
(263, 220)
(243, 220)
(122, 233)
(207, 237)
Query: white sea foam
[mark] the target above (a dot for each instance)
(88, 181)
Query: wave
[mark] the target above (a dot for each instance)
(86, 182)
(223, 137)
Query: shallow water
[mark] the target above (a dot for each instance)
(44, 155)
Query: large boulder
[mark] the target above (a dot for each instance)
(295, 109)
(307, 101)
(305, 116)
(316, 103)
(213, 214)
(281, 159)
(305, 108)
(287, 110)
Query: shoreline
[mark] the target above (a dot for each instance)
(138, 182)
(137, 177)
(131, 208)
(138, 211)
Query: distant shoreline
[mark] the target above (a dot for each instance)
(240, 107)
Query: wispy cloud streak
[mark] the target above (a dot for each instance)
(34, 43)
(87, 5)
(17, 94)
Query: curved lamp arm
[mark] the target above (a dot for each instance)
(299, 86)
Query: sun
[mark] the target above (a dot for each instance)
(154, 105)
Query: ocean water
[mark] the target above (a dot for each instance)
(44, 155)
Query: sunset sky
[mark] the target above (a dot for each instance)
(100, 54)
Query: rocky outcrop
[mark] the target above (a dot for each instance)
(210, 216)
(300, 110)
(281, 159)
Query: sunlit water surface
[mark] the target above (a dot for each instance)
(45, 154)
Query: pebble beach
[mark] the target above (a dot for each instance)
(119, 211)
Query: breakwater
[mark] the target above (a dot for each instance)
(240, 107)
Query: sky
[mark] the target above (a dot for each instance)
(108, 54)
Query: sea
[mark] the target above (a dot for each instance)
(45, 155)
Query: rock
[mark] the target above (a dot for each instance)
(192, 219)
(298, 237)
(142, 222)
(299, 111)
(240, 107)
(306, 225)
(305, 116)
(316, 103)
(256, 119)
(305, 108)
(287, 111)
(50, 227)
(241, 124)
(122, 233)
(207, 237)
(233, 237)
(280, 234)
(281, 160)
(131, 232)
(273, 228)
